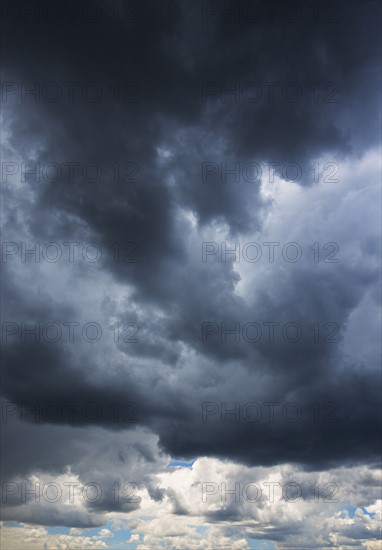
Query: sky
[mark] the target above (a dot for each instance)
(191, 239)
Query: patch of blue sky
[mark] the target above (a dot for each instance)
(180, 464)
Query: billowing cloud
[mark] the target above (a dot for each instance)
(191, 261)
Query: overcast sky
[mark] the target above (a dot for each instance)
(191, 275)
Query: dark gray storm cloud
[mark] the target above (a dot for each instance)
(170, 118)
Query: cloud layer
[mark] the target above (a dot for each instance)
(199, 182)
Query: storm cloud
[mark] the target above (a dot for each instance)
(191, 257)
